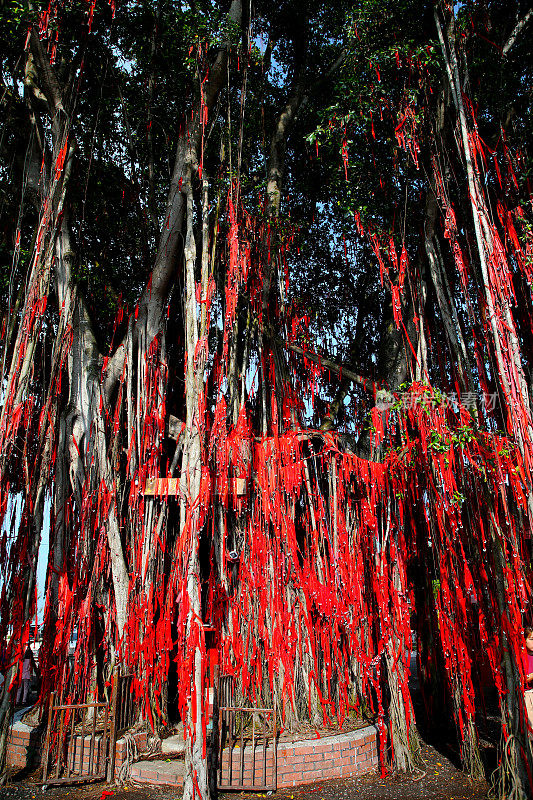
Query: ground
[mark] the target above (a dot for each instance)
(440, 781)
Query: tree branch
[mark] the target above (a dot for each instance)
(519, 27)
(50, 85)
(152, 301)
(295, 104)
(333, 366)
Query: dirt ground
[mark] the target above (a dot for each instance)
(441, 780)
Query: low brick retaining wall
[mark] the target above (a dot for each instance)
(301, 762)
(24, 748)
(306, 761)
(158, 773)
(22, 742)
(141, 741)
(352, 753)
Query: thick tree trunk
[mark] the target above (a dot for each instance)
(85, 432)
(196, 764)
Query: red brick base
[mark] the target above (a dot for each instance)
(352, 753)
(21, 745)
(24, 748)
(307, 761)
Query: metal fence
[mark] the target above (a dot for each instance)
(81, 738)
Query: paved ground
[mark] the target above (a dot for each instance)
(440, 781)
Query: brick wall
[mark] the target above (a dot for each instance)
(24, 748)
(306, 761)
(352, 753)
(302, 762)
(158, 773)
(141, 740)
(257, 769)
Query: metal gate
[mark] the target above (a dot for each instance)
(247, 753)
(81, 738)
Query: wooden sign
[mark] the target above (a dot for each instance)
(170, 487)
(162, 487)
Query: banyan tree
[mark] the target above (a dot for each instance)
(266, 340)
